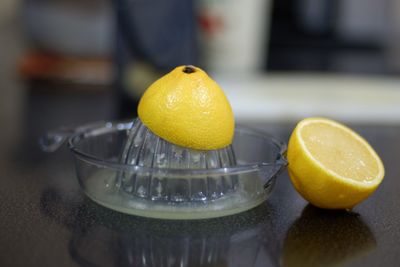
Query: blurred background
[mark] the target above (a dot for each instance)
(73, 62)
(69, 62)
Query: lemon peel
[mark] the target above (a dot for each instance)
(187, 108)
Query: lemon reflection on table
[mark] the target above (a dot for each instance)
(326, 238)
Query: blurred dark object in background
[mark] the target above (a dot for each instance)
(337, 36)
(153, 37)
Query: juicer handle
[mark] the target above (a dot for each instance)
(53, 140)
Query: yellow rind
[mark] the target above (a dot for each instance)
(189, 110)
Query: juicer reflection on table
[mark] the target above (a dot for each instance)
(182, 158)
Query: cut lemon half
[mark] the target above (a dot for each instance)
(188, 108)
(330, 165)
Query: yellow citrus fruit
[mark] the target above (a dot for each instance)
(330, 165)
(186, 107)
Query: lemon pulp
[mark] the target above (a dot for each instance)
(339, 151)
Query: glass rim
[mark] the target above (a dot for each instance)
(111, 126)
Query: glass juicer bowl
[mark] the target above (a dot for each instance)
(147, 176)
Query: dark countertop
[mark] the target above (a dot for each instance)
(47, 221)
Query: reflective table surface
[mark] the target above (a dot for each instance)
(47, 221)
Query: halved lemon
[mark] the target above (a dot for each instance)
(330, 165)
(188, 108)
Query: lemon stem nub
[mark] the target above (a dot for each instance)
(189, 69)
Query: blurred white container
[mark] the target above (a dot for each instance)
(234, 34)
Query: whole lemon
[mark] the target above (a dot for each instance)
(187, 108)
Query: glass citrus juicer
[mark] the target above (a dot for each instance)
(133, 167)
